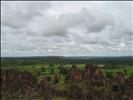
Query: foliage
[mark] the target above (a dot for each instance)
(24, 79)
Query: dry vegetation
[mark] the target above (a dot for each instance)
(87, 84)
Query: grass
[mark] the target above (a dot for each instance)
(45, 69)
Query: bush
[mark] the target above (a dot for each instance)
(56, 79)
(109, 74)
(63, 70)
(43, 69)
(48, 78)
(125, 71)
(52, 71)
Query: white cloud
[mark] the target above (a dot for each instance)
(66, 28)
(17, 14)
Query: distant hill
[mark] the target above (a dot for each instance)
(16, 61)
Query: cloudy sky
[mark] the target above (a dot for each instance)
(71, 28)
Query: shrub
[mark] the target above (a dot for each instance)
(109, 74)
(48, 78)
(63, 70)
(125, 71)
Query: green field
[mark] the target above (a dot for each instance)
(45, 69)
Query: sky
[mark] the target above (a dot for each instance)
(66, 28)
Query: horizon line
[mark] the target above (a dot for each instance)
(61, 56)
